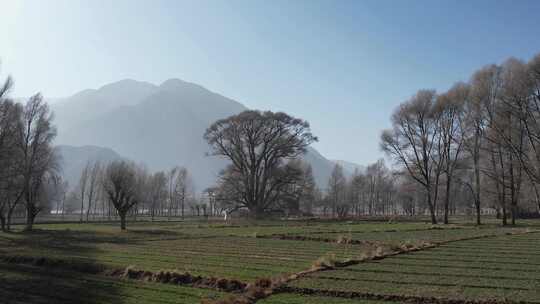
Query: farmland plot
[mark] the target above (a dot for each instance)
(286, 298)
(498, 268)
(433, 235)
(242, 258)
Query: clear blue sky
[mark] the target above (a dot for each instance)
(342, 65)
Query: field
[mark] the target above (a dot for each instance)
(498, 268)
(306, 261)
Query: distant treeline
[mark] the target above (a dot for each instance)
(472, 149)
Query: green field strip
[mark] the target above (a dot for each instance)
(380, 287)
(476, 266)
(480, 259)
(507, 257)
(291, 298)
(450, 271)
(529, 250)
(372, 229)
(427, 279)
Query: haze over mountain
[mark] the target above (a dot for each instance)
(74, 159)
(160, 126)
(349, 167)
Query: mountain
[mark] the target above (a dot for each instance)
(74, 159)
(349, 167)
(161, 126)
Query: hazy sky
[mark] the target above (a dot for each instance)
(342, 65)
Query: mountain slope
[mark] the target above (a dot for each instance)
(349, 167)
(74, 159)
(161, 126)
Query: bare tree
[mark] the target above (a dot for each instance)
(336, 190)
(83, 182)
(257, 143)
(182, 187)
(412, 143)
(121, 186)
(37, 158)
(10, 185)
(449, 109)
(507, 130)
(158, 191)
(92, 186)
(307, 189)
(483, 93)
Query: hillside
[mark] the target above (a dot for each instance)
(74, 159)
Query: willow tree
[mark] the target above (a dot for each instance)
(258, 145)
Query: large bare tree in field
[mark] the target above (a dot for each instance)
(10, 113)
(507, 124)
(412, 143)
(257, 145)
(531, 120)
(483, 93)
(121, 186)
(37, 159)
(449, 109)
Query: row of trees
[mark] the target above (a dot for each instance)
(266, 174)
(28, 164)
(380, 191)
(483, 134)
(164, 194)
(30, 180)
(477, 142)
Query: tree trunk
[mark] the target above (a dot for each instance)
(122, 220)
(476, 163)
(504, 215)
(537, 198)
(513, 212)
(3, 221)
(183, 199)
(30, 216)
(447, 200)
(431, 207)
(257, 213)
(82, 210)
(9, 215)
(477, 189)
